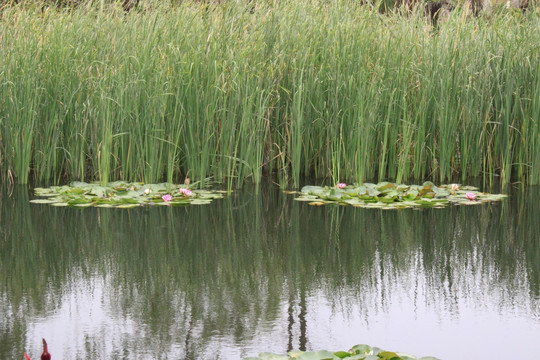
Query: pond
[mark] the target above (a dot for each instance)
(258, 271)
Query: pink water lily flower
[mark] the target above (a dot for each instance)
(341, 185)
(185, 192)
(166, 197)
(470, 196)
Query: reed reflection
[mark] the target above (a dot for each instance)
(244, 274)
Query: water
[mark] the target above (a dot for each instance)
(261, 272)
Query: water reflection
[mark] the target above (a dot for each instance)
(261, 272)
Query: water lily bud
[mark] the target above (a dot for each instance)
(454, 188)
(470, 196)
(341, 185)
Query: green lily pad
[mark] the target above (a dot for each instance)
(385, 186)
(270, 356)
(200, 201)
(307, 198)
(389, 196)
(104, 205)
(124, 195)
(319, 203)
(127, 206)
(388, 355)
(60, 204)
(43, 201)
(44, 192)
(361, 349)
(295, 353)
(357, 352)
(406, 356)
(342, 354)
(316, 355)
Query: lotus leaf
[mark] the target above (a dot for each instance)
(124, 195)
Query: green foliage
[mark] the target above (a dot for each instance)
(357, 352)
(234, 91)
(123, 195)
(387, 195)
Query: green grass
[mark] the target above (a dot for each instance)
(325, 89)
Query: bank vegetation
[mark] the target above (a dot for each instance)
(236, 91)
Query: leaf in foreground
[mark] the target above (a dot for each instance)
(357, 352)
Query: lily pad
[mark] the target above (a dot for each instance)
(390, 196)
(124, 195)
(317, 355)
(270, 356)
(361, 349)
(127, 206)
(342, 354)
(357, 352)
(43, 201)
(294, 353)
(60, 204)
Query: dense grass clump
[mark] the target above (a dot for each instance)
(235, 91)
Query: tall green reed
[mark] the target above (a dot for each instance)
(325, 89)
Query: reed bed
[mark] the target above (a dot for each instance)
(237, 91)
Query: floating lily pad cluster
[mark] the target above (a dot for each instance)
(123, 195)
(386, 195)
(357, 352)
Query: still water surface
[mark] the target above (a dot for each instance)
(261, 272)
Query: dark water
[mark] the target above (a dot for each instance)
(261, 272)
